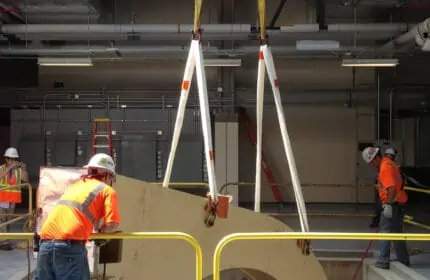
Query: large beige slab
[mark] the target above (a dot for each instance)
(145, 207)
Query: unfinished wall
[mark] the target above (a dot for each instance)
(324, 142)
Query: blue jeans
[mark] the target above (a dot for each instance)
(393, 225)
(62, 260)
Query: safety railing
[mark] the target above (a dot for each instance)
(30, 203)
(135, 235)
(306, 235)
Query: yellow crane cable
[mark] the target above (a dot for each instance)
(262, 18)
(197, 16)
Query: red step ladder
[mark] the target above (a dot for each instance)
(102, 140)
(269, 175)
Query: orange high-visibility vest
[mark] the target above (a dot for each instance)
(400, 194)
(12, 195)
(79, 209)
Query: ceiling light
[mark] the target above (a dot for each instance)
(61, 61)
(370, 62)
(222, 62)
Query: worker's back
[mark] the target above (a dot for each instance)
(78, 210)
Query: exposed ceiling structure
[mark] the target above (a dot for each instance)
(131, 39)
(359, 28)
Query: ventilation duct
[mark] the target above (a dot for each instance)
(422, 35)
(419, 32)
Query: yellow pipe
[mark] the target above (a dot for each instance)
(417, 224)
(416, 190)
(184, 184)
(307, 235)
(135, 235)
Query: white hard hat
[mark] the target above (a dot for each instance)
(390, 151)
(369, 154)
(11, 153)
(102, 161)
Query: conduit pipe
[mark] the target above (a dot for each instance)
(85, 50)
(122, 28)
(417, 33)
(185, 28)
(157, 50)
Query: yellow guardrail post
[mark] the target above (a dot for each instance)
(136, 235)
(307, 235)
(30, 202)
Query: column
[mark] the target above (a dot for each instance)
(227, 156)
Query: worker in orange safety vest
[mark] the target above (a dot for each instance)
(391, 154)
(393, 199)
(62, 252)
(12, 173)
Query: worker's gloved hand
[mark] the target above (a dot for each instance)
(387, 211)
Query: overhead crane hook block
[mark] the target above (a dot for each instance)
(304, 245)
(215, 209)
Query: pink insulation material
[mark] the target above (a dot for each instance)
(54, 181)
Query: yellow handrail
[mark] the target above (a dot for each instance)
(307, 235)
(182, 184)
(136, 235)
(30, 201)
(416, 190)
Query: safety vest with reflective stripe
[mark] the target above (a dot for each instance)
(13, 178)
(77, 212)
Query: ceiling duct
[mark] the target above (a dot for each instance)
(419, 33)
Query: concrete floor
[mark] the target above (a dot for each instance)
(14, 264)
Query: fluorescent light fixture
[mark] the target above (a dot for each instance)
(317, 45)
(64, 61)
(370, 62)
(222, 62)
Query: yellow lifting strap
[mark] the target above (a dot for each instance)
(197, 15)
(262, 18)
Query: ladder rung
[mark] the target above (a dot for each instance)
(101, 146)
(102, 135)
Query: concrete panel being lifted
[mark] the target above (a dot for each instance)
(145, 207)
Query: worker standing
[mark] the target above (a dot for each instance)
(12, 173)
(391, 154)
(393, 199)
(62, 253)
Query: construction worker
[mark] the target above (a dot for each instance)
(391, 154)
(12, 173)
(393, 199)
(62, 253)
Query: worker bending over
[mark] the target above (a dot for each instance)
(12, 173)
(62, 253)
(393, 199)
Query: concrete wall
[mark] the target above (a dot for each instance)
(324, 143)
